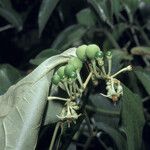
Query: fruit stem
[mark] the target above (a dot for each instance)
(101, 65)
(128, 68)
(87, 80)
(94, 68)
(66, 87)
(109, 65)
(71, 89)
(58, 98)
(54, 136)
(79, 78)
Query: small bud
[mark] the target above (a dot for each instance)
(109, 54)
(99, 54)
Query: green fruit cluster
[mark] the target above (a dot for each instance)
(83, 52)
(91, 52)
(68, 71)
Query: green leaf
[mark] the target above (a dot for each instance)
(115, 33)
(118, 30)
(86, 17)
(105, 111)
(102, 10)
(42, 56)
(13, 17)
(132, 4)
(140, 50)
(8, 76)
(118, 57)
(132, 119)
(71, 36)
(6, 3)
(144, 77)
(114, 134)
(147, 1)
(46, 10)
(23, 105)
(116, 7)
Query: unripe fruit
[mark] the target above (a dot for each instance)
(73, 75)
(80, 52)
(76, 62)
(109, 54)
(69, 69)
(99, 54)
(91, 51)
(60, 72)
(56, 79)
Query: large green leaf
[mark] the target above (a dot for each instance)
(114, 134)
(106, 112)
(86, 17)
(132, 119)
(118, 57)
(118, 30)
(5, 3)
(46, 9)
(7, 12)
(140, 50)
(144, 77)
(116, 7)
(70, 36)
(8, 76)
(115, 34)
(132, 4)
(102, 10)
(23, 105)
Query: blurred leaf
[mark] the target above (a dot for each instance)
(118, 30)
(101, 9)
(132, 119)
(8, 76)
(118, 57)
(140, 50)
(86, 17)
(144, 77)
(23, 105)
(43, 56)
(132, 4)
(106, 111)
(115, 33)
(46, 10)
(114, 134)
(13, 17)
(116, 6)
(69, 37)
(147, 1)
(5, 3)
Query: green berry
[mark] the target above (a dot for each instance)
(69, 69)
(60, 72)
(76, 62)
(109, 54)
(91, 51)
(99, 54)
(56, 79)
(80, 52)
(73, 75)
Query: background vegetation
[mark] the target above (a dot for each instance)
(32, 31)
